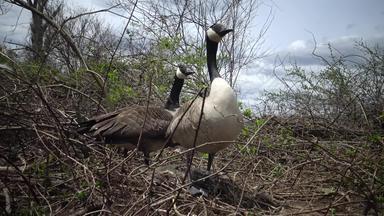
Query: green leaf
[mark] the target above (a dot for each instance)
(247, 113)
(205, 155)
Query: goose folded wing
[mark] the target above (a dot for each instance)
(128, 123)
(186, 118)
(86, 126)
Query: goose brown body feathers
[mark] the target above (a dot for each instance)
(126, 126)
(123, 127)
(129, 122)
(221, 121)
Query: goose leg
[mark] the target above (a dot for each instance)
(210, 160)
(194, 189)
(201, 188)
(189, 161)
(146, 157)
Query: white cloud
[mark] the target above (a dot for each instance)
(261, 77)
(14, 25)
(256, 81)
(298, 45)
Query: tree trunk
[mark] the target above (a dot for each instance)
(38, 28)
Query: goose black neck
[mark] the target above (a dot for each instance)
(211, 59)
(173, 99)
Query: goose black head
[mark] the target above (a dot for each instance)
(184, 71)
(217, 31)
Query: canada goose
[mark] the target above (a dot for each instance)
(222, 120)
(123, 127)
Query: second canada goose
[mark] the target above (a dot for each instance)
(123, 127)
(222, 120)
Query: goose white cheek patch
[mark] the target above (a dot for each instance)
(213, 36)
(180, 74)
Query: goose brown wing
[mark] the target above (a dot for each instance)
(128, 123)
(85, 127)
(189, 120)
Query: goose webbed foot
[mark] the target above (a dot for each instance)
(196, 191)
(199, 187)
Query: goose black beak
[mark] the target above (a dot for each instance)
(189, 72)
(220, 29)
(224, 32)
(186, 69)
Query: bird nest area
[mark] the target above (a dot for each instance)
(273, 169)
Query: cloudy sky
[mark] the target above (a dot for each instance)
(290, 36)
(297, 22)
